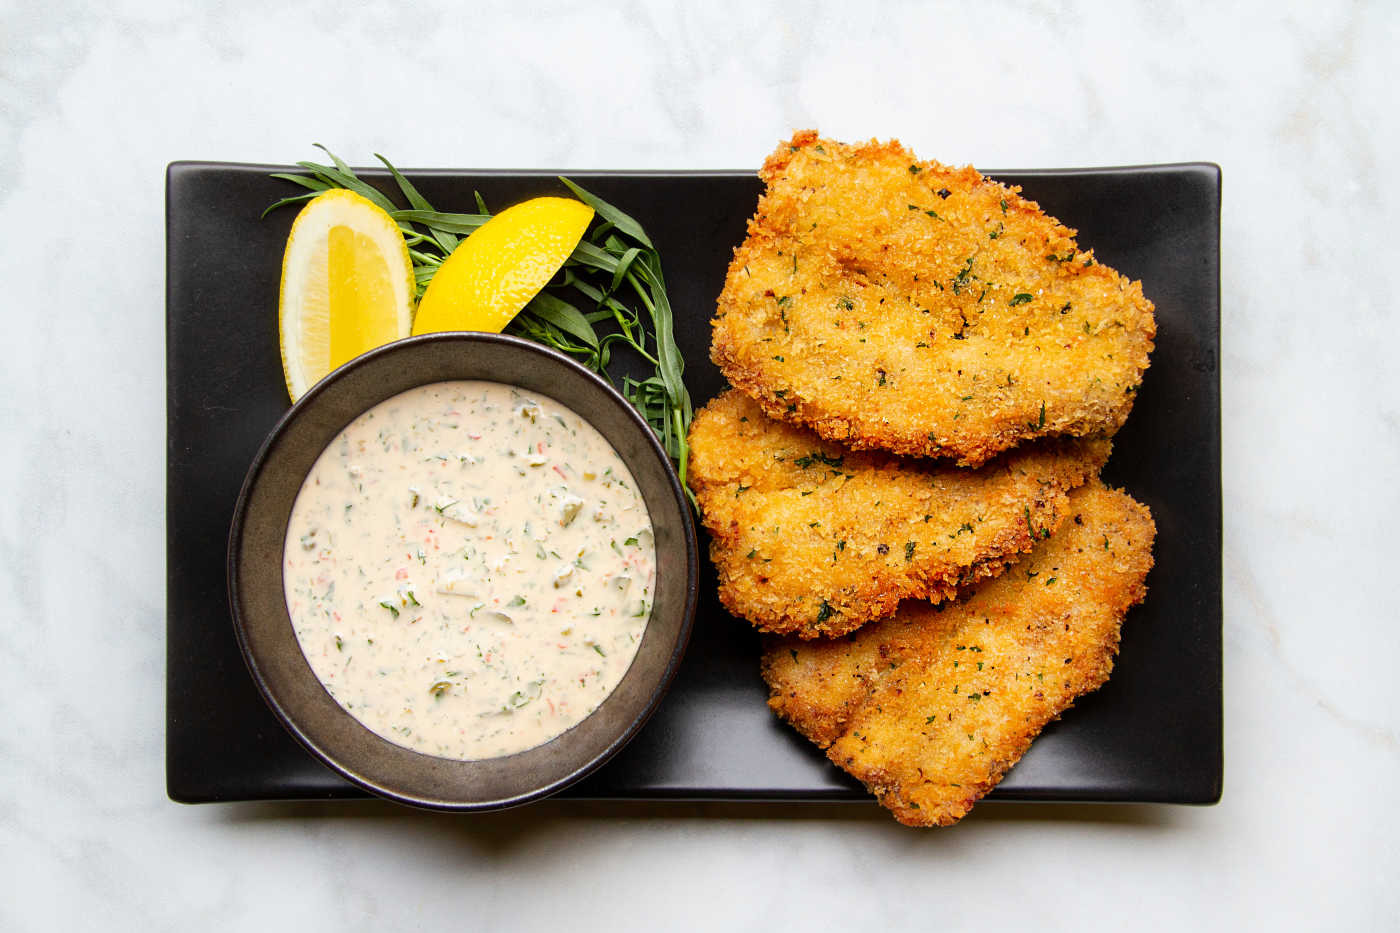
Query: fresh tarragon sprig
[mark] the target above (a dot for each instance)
(614, 273)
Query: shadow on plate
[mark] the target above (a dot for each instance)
(503, 831)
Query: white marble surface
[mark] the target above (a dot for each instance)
(1290, 99)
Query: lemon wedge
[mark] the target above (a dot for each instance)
(347, 286)
(495, 272)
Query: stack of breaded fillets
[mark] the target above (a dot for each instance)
(902, 486)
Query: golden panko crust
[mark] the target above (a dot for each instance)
(893, 303)
(814, 539)
(930, 708)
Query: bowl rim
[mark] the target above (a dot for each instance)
(252, 640)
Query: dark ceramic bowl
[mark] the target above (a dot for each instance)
(264, 628)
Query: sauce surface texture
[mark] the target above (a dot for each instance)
(469, 569)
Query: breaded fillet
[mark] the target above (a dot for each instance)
(814, 539)
(930, 708)
(898, 304)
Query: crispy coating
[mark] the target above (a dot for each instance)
(906, 305)
(813, 539)
(930, 708)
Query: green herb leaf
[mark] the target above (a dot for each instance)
(816, 456)
(564, 316)
(615, 268)
(438, 220)
(295, 199)
(444, 239)
(612, 215)
(306, 181)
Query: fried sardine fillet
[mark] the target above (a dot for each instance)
(814, 539)
(930, 708)
(898, 304)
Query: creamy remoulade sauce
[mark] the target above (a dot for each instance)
(469, 568)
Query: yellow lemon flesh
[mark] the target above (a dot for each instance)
(495, 272)
(347, 286)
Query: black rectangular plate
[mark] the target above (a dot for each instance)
(1152, 734)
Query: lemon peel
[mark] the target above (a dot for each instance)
(495, 272)
(347, 286)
